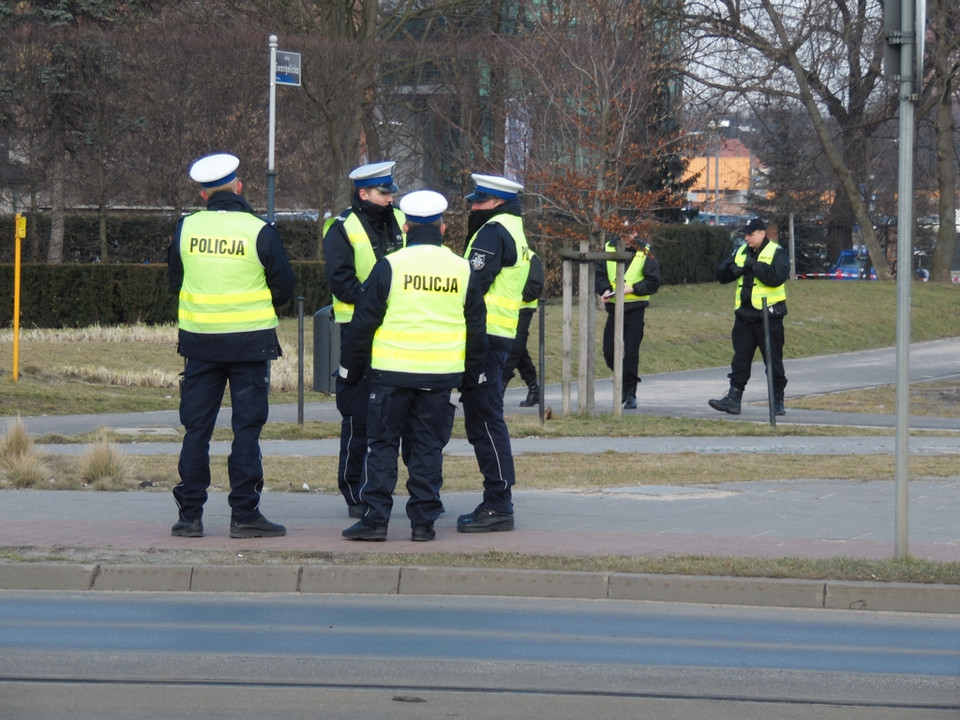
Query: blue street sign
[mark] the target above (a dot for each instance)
(288, 68)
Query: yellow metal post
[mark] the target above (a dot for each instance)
(20, 234)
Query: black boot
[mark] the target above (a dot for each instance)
(778, 408)
(533, 396)
(730, 402)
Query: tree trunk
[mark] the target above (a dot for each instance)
(57, 202)
(947, 182)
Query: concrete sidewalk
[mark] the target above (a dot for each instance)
(122, 540)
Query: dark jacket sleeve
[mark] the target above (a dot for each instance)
(777, 272)
(276, 267)
(174, 261)
(368, 314)
(533, 288)
(601, 283)
(339, 267)
(728, 270)
(475, 315)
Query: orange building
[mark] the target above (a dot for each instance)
(730, 169)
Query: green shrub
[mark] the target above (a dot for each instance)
(80, 295)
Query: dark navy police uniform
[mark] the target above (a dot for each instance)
(226, 341)
(355, 240)
(418, 331)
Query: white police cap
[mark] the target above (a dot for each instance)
(375, 175)
(215, 170)
(423, 206)
(489, 186)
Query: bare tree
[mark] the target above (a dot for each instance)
(824, 54)
(943, 100)
(598, 96)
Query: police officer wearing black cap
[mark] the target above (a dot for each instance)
(231, 272)
(418, 331)
(761, 268)
(353, 242)
(500, 258)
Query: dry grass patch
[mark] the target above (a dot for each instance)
(927, 399)
(21, 464)
(102, 466)
(566, 472)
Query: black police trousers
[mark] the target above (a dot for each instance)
(747, 337)
(487, 432)
(201, 394)
(633, 321)
(423, 419)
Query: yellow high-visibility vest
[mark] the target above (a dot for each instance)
(224, 289)
(423, 330)
(760, 291)
(364, 257)
(633, 273)
(505, 294)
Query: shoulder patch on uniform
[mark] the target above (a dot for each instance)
(477, 262)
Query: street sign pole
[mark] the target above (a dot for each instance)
(271, 173)
(905, 23)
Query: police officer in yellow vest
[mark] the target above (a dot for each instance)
(231, 272)
(352, 244)
(641, 279)
(519, 359)
(419, 330)
(500, 258)
(760, 267)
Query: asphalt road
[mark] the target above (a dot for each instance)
(119, 655)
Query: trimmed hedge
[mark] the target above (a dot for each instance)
(687, 254)
(133, 238)
(79, 295)
(82, 294)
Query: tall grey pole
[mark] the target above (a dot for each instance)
(271, 173)
(908, 75)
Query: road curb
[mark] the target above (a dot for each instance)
(420, 580)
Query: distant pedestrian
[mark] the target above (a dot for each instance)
(519, 359)
(761, 269)
(641, 279)
(231, 272)
(418, 331)
(353, 242)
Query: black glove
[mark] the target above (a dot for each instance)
(468, 382)
(735, 270)
(350, 376)
(749, 261)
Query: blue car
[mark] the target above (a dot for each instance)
(852, 265)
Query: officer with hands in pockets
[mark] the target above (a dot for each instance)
(418, 331)
(231, 272)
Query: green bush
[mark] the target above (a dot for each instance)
(134, 238)
(687, 254)
(78, 295)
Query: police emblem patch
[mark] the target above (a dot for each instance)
(477, 262)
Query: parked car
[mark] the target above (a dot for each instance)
(852, 265)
